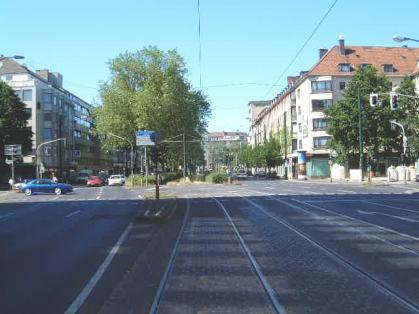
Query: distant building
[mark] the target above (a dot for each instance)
(216, 145)
(55, 113)
(255, 108)
(299, 108)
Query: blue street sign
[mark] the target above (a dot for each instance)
(146, 138)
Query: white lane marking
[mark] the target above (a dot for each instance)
(265, 283)
(55, 198)
(346, 191)
(73, 213)
(140, 197)
(78, 302)
(357, 220)
(388, 215)
(98, 197)
(389, 206)
(6, 216)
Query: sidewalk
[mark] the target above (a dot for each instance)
(374, 181)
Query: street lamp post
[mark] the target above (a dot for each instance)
(37, 153)
(11, 57)
(400, 39)
(132, 150)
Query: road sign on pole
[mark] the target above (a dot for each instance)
(146, 138)
(12, 150)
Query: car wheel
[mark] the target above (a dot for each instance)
(28, 192)
(58, 191)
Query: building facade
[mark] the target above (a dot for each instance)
(55, 113)
(299, 108)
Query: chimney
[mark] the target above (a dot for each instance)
(322, 52)
(342, 45)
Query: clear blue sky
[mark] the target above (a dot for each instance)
(242, 41)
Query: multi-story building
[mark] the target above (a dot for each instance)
(54, 113)
(299, 108)
(216, 145)
(255, 108)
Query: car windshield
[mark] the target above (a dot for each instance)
(94, 178)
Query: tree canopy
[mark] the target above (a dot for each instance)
(148, 90)
(13, 121)
(378, 137)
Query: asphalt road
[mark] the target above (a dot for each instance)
(257, 247)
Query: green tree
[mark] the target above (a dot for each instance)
(148, 90)
(408, 115)
(13, 122)
(343, 118)
(272, 151)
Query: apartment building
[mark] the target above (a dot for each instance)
(299, 108)
(54, 113)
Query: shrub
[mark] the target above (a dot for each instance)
(216, 177)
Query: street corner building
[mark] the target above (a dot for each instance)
(299, 108)
(54, 113)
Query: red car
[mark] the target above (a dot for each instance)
(94, 181)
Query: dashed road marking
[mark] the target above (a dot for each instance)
(73, 213)
(3, 217)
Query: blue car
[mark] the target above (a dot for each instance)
(45, 186)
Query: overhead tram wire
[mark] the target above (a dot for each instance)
(302, 47)
(200, 48)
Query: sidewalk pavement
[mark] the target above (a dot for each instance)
(374, 181)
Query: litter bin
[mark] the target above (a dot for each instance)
(402, 172)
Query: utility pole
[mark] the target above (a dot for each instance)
(360, 134)
(184, 156)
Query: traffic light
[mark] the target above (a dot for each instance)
(373, 100)
(393, 101)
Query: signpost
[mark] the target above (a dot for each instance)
(149, 138)
(13, 150)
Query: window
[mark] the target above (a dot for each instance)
(388, 68)
(47, 98)
(321, 104)
(342, 85)
(28, 112)
(366, 65)
(320, 142)
(300, 144)
(294, 144)
(321, 86)
(298, 93)
(77, 134)
(27, 95)
(47, 106)
(345, 67)
(299, 127)
(9, 77)
(38, 105)
(18, 93)
(47, 116)
(48, 133)
(320, 124)
(299, 110)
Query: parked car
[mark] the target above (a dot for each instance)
(116, 179)
(241, 174)
(82, 178)
(104, 177)
(94, 181)
(18, 186)
(417, 177)
(260, 174)
(45, 186)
